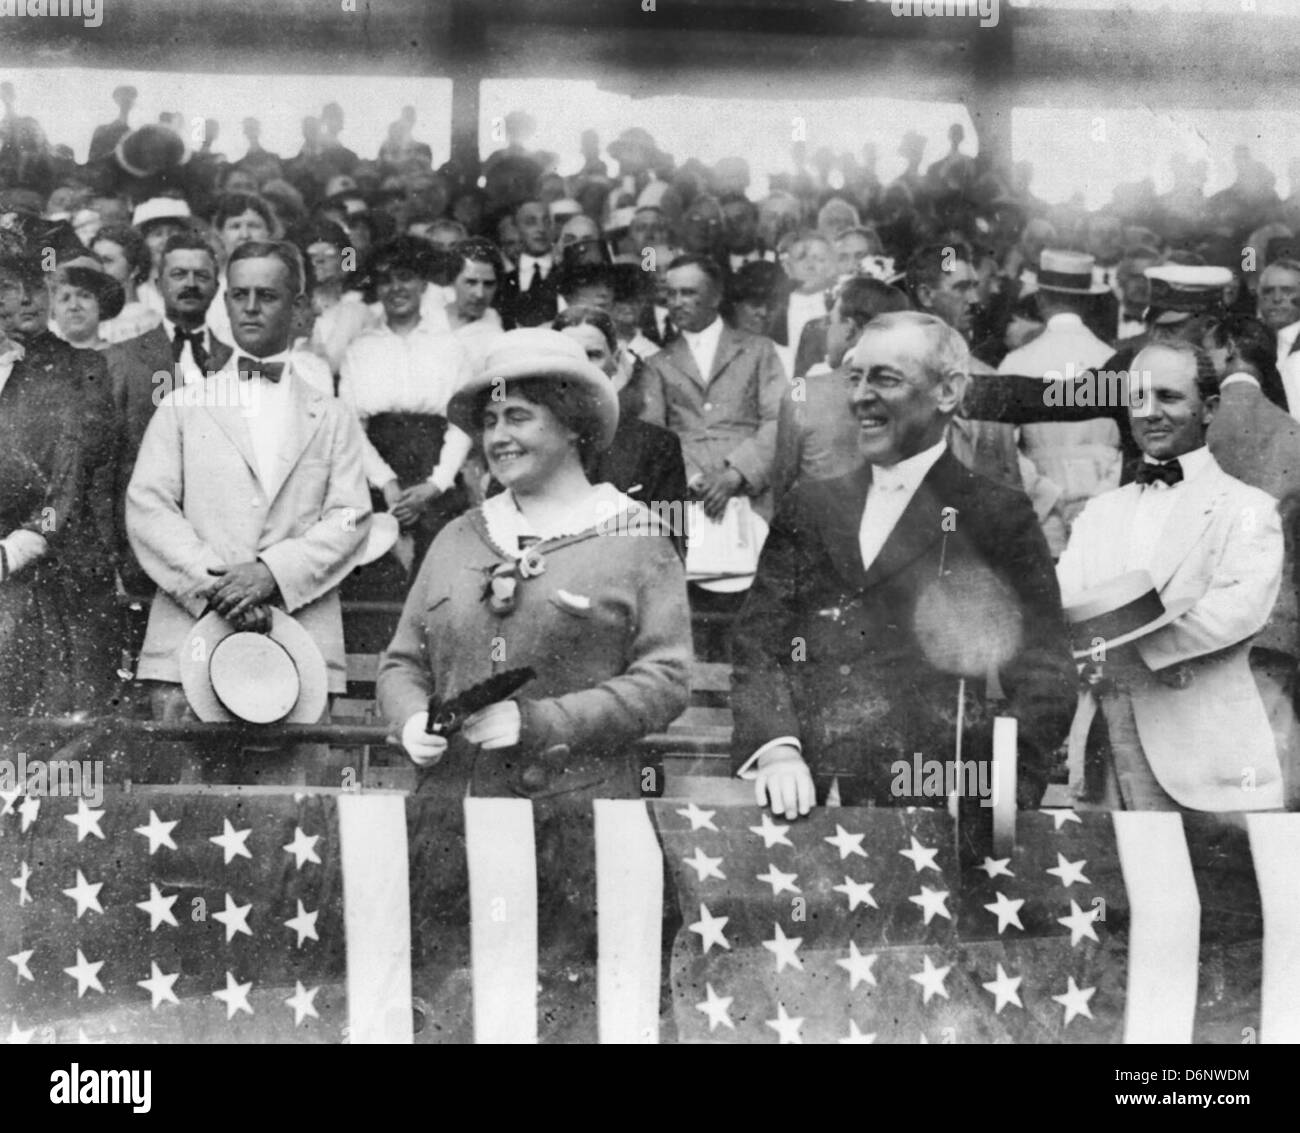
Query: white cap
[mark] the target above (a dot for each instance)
(159, 208)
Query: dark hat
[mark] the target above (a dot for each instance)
(1282, 248)
(633, 138)
(86, 272)
(150, 150)
(402, 252)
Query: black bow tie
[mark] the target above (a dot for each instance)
(1171, 473)
(248, 367)
(197, 350)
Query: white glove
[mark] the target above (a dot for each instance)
(423, 748)
(22, 548)
(784, 778)
(495, 726)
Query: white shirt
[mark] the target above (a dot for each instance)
(892, 489)
(477, 337)
(386, 372)
(10, 352)
(218, 318)
(703, 345)
(1155, 504)
(269, 422)
(190, 371)
(1285, 341)
(800, 311)
(337, 326)
(135, 319)
(533, 269)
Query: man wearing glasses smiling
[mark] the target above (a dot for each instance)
(877, 591)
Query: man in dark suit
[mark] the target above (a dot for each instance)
(529, 293)
(877, 592)
(718, 389)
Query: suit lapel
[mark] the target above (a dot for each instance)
(1186, 524)
(225, 408)
(921, 524)
(679, 354)
(729, 345)
(840, 527)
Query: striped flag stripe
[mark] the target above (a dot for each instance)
(1275, 846)
(1164, 928)
(1004, 784)
(501, 848)
(629, 918)
(376, 917)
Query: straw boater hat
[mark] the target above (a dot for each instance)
(1069, 273)
(535, 352)
(260, 678)
(1179, 291)
(159, 208)
(381, 536)
(1119, 611)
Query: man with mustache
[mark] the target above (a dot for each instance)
(180, 351)
(878, 591)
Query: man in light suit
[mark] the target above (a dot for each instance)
(248, 491)
(144, 369)
(1187, 726)
(718, 389)
(879, 591)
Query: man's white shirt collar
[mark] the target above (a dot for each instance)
(1192, 463)
(1286, 339)
(703, 345)
(1063, 320)
(907, 474)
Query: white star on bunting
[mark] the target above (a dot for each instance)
(85, 894)
(1005, 989)
(29, 808)
(159, 908)
(856, 1037)
(304, 924)
(1070, 872)
(785, 949)
(847, 843)
(86, 974)
(1075, 1000)
(235, 918)
(779, 881)
(235, 997)
(858, 893)
(158, 832)
(1007, 911)
(785, 1027)
(86, 821)
(717, 1008)
(159, 986)
(302, 1002)
(1061, 817)
(932, 902)
(233, 842)
(9, 798)
(17, 1037)
(303, 847)
(705, 866)
(699, 819)
(1080, 924)
(858, 966)
(931, 979)
(710, 929)
(19, 960)
(996, 867)
(771, 833)
(921, 857)
(24, 875)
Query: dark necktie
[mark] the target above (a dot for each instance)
(248, 366)
(197, 349)
(1171, 473)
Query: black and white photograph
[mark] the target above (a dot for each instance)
(641, 522)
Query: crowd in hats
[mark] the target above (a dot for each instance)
(488, 360)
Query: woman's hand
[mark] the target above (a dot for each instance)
(424, 749)
(785, 781)
(412, 502)
(495, 726)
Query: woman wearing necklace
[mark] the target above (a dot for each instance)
(549, 574)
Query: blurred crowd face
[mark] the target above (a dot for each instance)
(535, 230)
(813, 265)
(188, 284)
(586, 234)
(76, 313)
(594, 343)
(1279, 297)
(850, 250)
(692, 298)
(237, 230)
(598, 295)
(841, 333)
(476, 287)
(24, 306)
(113, 257)
(156, 237)
(326, 262)
(261, 306)
(740, 221)
(646, 229)
(1105, 239)
(953, 297)
(509, 240)
(1134, 287)
(752, 315)
(400, 290)
(701, 226)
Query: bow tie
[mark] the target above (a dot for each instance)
(197, 350)
(1171, 473)
(247, 367)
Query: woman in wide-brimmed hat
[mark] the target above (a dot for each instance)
(83, 297)
(548, 574)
